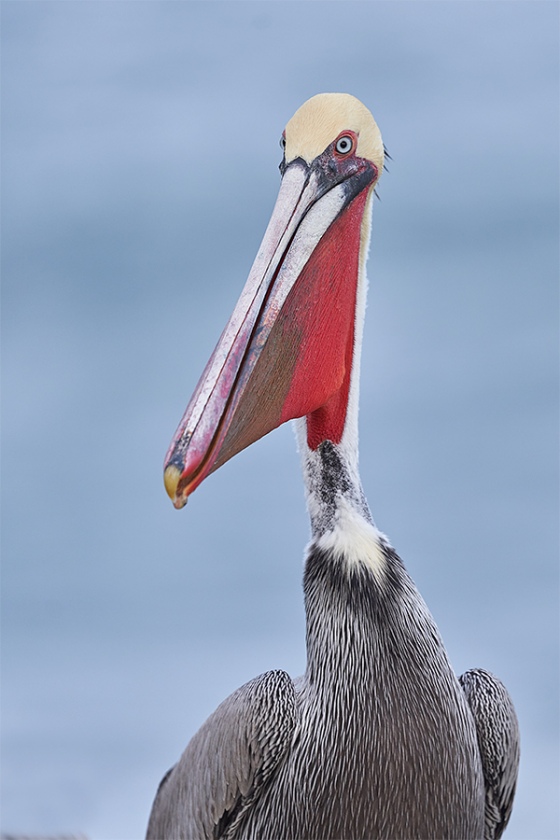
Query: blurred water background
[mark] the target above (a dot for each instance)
(140, 153)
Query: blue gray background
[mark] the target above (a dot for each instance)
(140, 153)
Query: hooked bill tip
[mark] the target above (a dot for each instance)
(171, 477)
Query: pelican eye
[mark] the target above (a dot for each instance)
(283, 142)
(344, 144)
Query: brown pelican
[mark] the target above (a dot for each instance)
(378, 739)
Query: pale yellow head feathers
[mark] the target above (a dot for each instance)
(322, 118)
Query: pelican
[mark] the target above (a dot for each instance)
(379, 739)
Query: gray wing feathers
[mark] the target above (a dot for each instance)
(498, 740)
(227, 763)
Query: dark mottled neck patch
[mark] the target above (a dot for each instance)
(328, 480)
(335, 481)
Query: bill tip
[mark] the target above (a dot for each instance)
(171, 477)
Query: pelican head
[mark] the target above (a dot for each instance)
(289, 348)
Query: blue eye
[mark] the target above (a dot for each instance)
(344, 144)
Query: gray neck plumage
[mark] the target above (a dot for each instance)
(361, 606)
(350, 566)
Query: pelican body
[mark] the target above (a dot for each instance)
(378, 739)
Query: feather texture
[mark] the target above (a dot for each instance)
(228, 762)
(498, 740)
